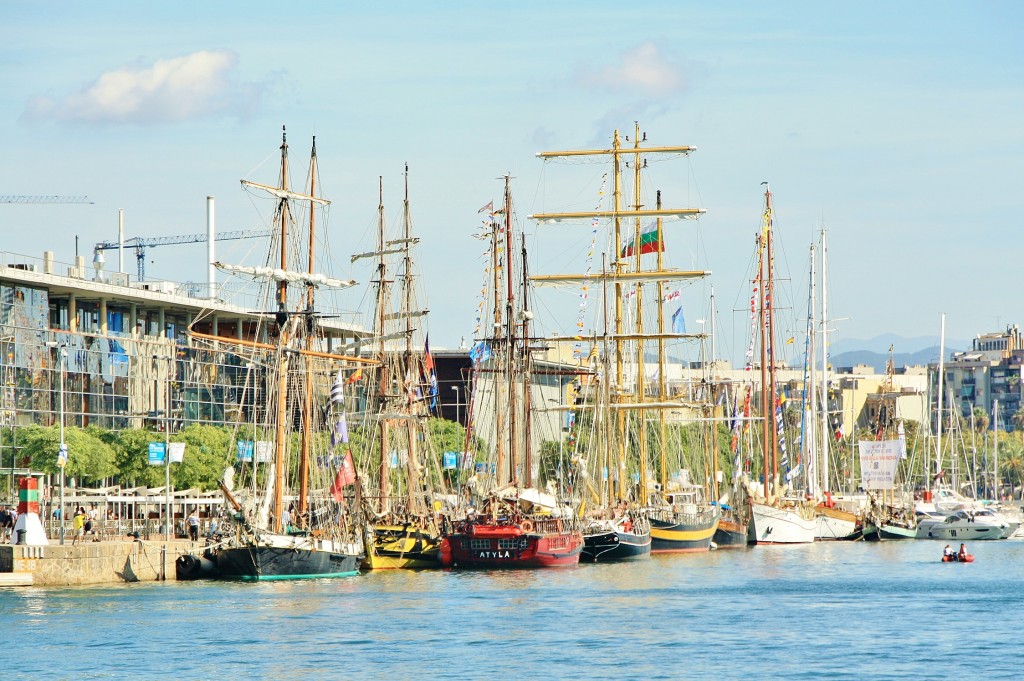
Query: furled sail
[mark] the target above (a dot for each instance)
(291, 276)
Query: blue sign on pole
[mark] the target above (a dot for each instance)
(245, 449)
(156, 453)
(451, 460)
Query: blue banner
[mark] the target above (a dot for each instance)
(156, 453)
(245, 449)
(450, 460)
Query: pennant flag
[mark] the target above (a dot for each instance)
(650, 242)
(480, 352)
(489, 208)
(790, 340)
(678, 322)
(355, 377)
(840, 434)
(346, 476)
(340, 434)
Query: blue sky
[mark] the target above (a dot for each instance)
(897, 126)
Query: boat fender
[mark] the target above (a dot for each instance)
(558, 524)
(527, 526)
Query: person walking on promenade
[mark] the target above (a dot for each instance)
(193, 526)
(78, 524)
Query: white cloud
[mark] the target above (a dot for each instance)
(201, 84)
(644, 69)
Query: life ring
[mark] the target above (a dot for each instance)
(469, 529)
(527, 526)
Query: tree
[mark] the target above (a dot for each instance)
(1018, 419)
(131, 456)
(207, 452)
(89, 457)
(981, 420)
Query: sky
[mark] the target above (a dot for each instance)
(894, 126)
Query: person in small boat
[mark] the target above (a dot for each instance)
(962, 556)
(947, 553)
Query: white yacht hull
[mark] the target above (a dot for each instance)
(781, 526)
(834, 529)
(963, 531)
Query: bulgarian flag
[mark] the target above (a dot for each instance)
(649, 242)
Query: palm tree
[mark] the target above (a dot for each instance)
(1018, 419)
(1013, 470)
(981, 420)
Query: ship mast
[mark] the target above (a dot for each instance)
(619, 275)
(413, 486)
(307, 395)
(280, 433)
(510, 339)
(383, 376)
(641, 392)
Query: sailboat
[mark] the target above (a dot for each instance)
(296, 510)
(777, 515)
(890, 513)
(675, 509)
(401, 530)
(838, 517)
(511, 524)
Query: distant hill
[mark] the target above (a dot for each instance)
(877, 360)
(880, 344)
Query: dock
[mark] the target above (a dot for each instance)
(89, 563)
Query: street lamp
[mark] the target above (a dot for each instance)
(456, 389)
(62, 452)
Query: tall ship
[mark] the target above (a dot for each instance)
(510, 522)
(779, 514)
(644, 487)
(295, 508)
(402, 472)
(839, 516)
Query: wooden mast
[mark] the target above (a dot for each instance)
(510, 341)
(766, 401)
(412, 486)
(770, 295)
(641, 390)
(280, 433)
(527, 359)
(662, 382)
(618, 265)
(500, 361)
(383, 378)
(307, 395)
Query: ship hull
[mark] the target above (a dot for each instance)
(730, 534)
(683, 535)
(612, 546)
(837, 525)
(510, 546)
(773, 525)
(402, 547)
(278, 557)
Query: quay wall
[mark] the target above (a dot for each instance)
(85, 563)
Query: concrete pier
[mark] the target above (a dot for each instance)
(84, 563)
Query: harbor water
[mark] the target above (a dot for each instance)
(824, 611)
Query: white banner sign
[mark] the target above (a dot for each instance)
(176, 451)
(264, 451)
(878, 461)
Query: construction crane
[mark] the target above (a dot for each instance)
(44, 199)
(141, 244)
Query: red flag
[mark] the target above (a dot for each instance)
(346, 476)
